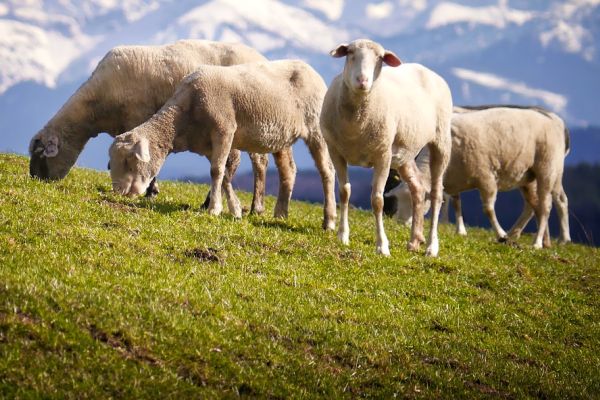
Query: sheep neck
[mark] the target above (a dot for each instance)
(162, 130)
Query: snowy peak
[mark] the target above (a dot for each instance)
(267, 25)
(489, 50)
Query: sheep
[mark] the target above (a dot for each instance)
(381, 118)
(503, 147)
(127, 87)
(257, 107)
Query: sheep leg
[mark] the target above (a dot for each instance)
(410, 175)
(529, 193)
(233, 162)
(221, 146)
(259, 169)
(460, 223)
(231, 165)
(380, 174)
(286, 167)
(542, 212)
(488, 193)
(341, 169)
(320, 153)
(562, 209)
(445, 210)
(437, 165)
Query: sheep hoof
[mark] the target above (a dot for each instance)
(413, 246)
(503, 239)
(215, 211)
(329, 225)
(344, 238)
(433, 249)
(257, 210)
(383, 250)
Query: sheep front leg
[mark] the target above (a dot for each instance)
(221, 145)
(380, 174)
(286, 167)
(231, 166)
(341, 169)
(460, 223)
(488, 198)
(320, 153)
(410, 175)
(259, 169)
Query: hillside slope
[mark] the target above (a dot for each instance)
(103, 296)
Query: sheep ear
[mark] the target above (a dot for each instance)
(141, 150)
(51, 148)
(391, 59)
(340, 51)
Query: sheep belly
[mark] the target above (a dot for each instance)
(265, 137)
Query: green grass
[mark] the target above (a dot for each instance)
(103, 296)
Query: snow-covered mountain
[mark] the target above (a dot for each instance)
(520, 51)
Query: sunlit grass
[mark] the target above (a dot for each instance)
(103, 296)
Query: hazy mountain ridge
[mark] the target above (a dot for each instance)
(489, 51)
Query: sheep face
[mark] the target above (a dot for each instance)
(51, 158)
(403, 214)
(130, 167)
(364, 59)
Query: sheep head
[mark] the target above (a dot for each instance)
(364, 59)
(52, 157)
(131, 169)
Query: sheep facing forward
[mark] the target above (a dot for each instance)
(127, 87)
(256, 107)
(381, 118)
(500, 148)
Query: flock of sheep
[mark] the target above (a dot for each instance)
(218, 99)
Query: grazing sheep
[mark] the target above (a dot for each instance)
(382, 118)
(257, 107)
(503, 148)
(127, 87)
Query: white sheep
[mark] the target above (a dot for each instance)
(255, 107)
(381, 118)
(127, 87)
(499, 148)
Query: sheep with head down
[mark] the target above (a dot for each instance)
(504, 147)
(381, 118)
(127, 87)
(256, 107)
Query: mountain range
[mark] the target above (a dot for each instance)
(528, 52)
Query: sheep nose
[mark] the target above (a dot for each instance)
(363, 81)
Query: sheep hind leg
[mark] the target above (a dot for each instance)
(259, 170)
(562, 209)
(221, 143)
(437, 165)
(409, 173)
(380, 175)
(320, 153)
(287, 177)
(529, 193)
(542, 212)
(460, 223)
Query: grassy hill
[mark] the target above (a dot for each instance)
(103, 296)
